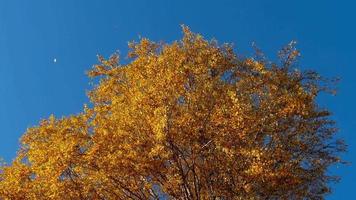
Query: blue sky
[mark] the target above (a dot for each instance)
(34, 33)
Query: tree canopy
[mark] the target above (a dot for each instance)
(185, 120)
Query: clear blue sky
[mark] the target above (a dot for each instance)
(34, 33)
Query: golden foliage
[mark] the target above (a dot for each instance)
(187, 120)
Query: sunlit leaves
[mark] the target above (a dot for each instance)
(187, 120)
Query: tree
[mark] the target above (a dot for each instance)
(187, 120)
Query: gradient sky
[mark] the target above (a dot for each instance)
(34, 33)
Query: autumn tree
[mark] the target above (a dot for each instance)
(186, 120)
